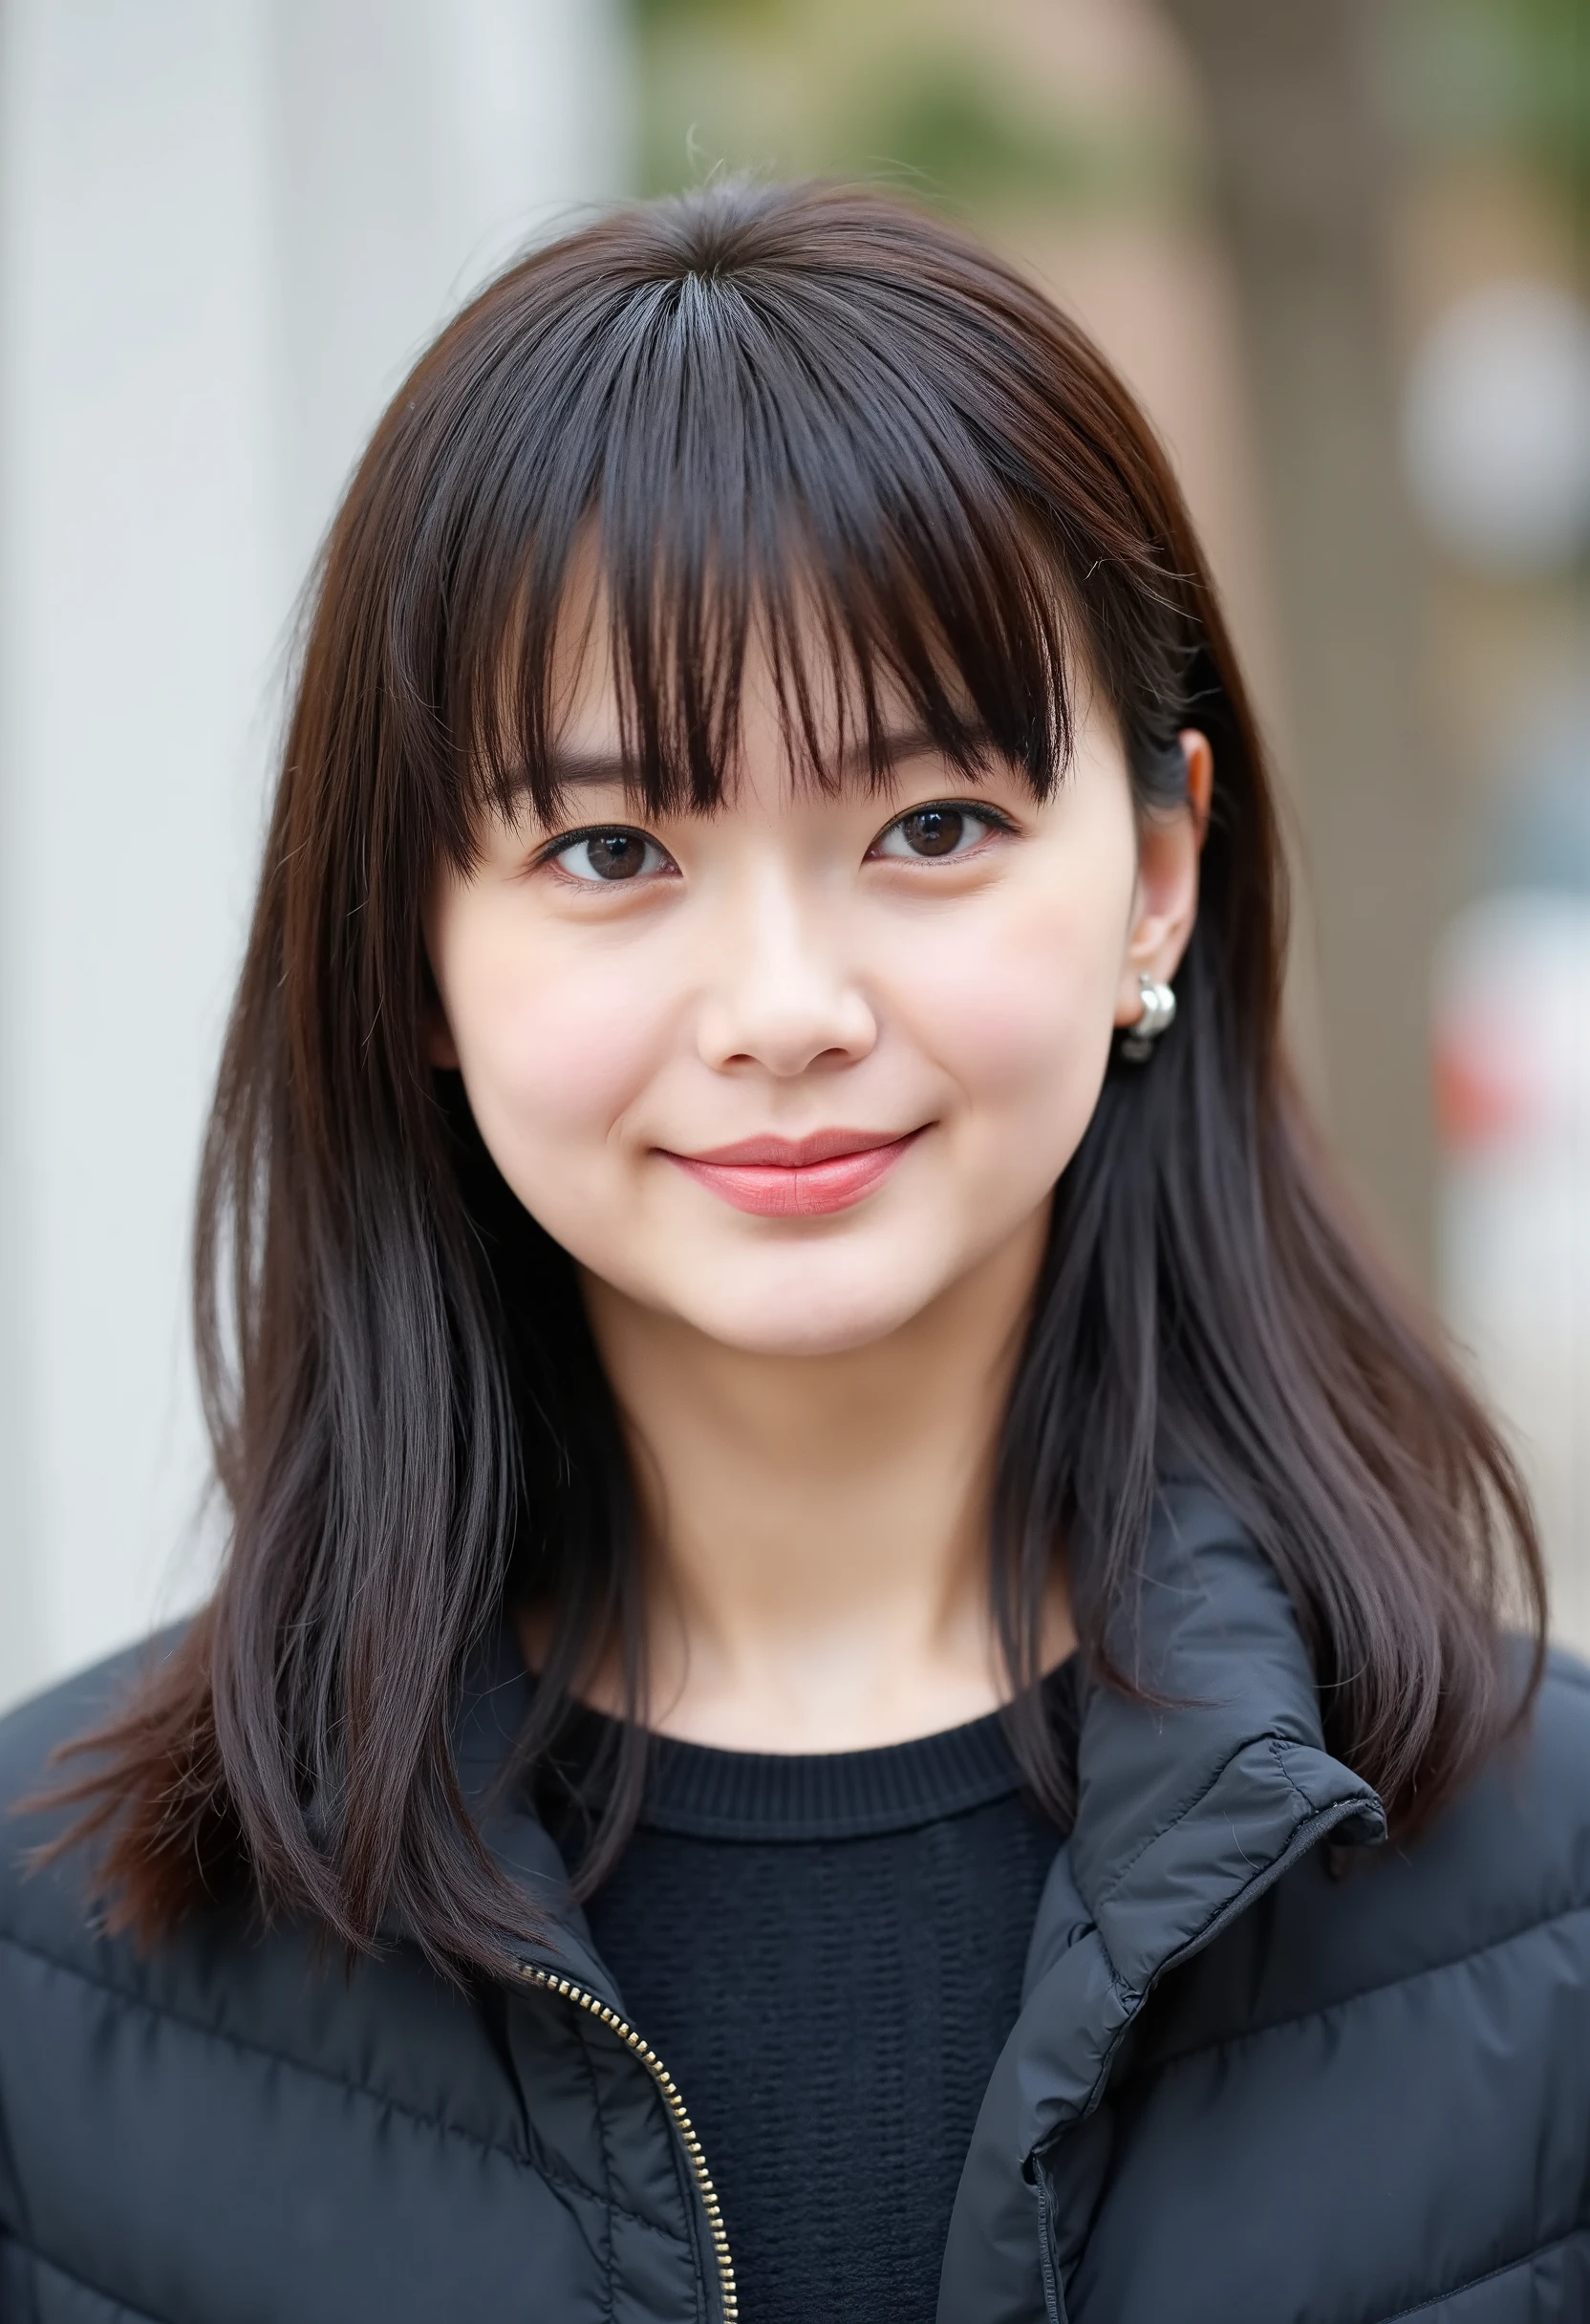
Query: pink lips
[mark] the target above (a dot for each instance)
(798, 1177)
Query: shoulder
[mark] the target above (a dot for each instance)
(1509, 1860)
(36, 1730)
(1559, 1732)
(1558, 1735)
(1492, 1901)
(1397, 2044)
(50, 1904)
(1515, 1847)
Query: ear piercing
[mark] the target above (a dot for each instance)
(1159, 1010)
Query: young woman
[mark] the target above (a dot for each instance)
(839, 1561)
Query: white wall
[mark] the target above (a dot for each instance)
(224, 232)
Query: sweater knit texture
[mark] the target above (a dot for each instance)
(827, 1953)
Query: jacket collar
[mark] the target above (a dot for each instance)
(494, 1706)
(1189, 1807)
(1186, 1813)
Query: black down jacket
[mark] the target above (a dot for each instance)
(1242, 2090)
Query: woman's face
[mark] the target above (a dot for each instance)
(790, 1070)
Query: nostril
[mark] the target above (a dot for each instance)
(832, 1059)
(734, 1032)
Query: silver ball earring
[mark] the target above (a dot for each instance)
(1159, 1011)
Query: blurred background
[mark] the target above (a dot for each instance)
(1342, 251)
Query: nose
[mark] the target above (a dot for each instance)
(780, 995)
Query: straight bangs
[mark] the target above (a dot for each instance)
(714, 462)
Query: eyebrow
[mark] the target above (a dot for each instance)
(591, 770)
(586, 769)
(905, 743)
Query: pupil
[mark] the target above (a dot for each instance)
(615, 854)
(935, 831)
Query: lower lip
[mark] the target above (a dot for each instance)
(770, 1190)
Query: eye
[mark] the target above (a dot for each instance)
(608, 855)
(940, 828)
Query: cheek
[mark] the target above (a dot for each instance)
(551, 1057)
(1020, 1015)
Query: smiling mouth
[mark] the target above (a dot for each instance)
(797, 1177)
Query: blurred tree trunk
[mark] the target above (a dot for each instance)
(1302, 173)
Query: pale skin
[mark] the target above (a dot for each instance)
(812, 1401)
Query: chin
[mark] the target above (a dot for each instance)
(806, 1319)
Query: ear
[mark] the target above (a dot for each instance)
(1165, 903)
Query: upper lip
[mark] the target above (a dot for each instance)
(801, 1154)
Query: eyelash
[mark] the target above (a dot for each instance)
(971, 812)
(551, 855)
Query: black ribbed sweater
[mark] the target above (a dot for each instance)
(826, 1952)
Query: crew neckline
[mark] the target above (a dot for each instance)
(700, 1791)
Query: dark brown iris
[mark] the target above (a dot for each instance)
(615, 854)
(934, 830)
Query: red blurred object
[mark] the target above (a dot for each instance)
(1484, 1091)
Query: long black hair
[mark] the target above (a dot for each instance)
(819, 413)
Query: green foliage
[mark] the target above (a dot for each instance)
(654, 17)
(968, 137)
(1506, 71)
(876, 90)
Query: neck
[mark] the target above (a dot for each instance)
(817, 1526)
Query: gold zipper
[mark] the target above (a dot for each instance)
(664, 2081)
